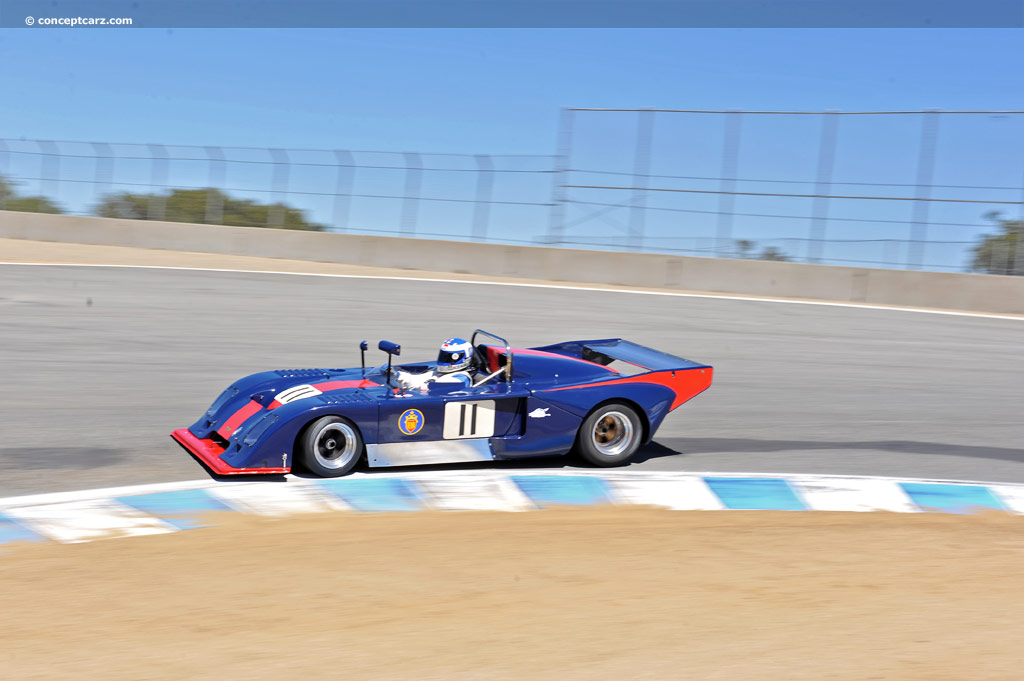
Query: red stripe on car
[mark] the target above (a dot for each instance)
(238, 418)
(685, 383)
(339, 385)
(327, 386)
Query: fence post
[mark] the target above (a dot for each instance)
(925, 173)
(5, 171)
(157, 209)
(1018, 259)
(343, 190)
(1018, 254)
(556, 224)
(641, 177)
(826, 164)
(279, 185)
(484, 188)
(413, 183)
(104, 176)
(49, 168)
(217, 182)
(730, 164)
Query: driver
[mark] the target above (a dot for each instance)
(454, 365)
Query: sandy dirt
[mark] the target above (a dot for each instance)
(573, 594)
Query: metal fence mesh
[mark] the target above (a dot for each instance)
(912, 189)
(485, 197)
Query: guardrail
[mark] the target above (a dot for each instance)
(975, 292)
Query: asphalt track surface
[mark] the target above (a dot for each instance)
(99, 364)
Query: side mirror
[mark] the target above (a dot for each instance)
(390, 348)
(364, 346)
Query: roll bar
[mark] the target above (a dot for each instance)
(508, 350)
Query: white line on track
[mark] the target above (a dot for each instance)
(567, 287)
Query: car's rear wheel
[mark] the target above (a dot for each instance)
(331, 447)
(610, 435)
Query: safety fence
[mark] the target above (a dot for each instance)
(899, 189)
(476, 196)
(907, 189)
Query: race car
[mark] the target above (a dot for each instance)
(601, 399)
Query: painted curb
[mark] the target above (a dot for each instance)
(73, 517)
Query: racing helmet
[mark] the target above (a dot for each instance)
(456, 355)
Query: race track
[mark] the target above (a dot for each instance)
(99, 364)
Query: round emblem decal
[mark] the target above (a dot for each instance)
(411, 421)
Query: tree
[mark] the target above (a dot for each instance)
(744, 247)
(9, 200)
(772, 253)
(1002, 252)
(202, 206)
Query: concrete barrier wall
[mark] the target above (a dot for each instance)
(984, 293)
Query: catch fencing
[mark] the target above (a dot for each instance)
(905, 189)
(897, 189)
(483, 197)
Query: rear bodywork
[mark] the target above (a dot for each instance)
(254, 425)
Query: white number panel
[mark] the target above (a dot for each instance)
(298, 392)
(468, 419)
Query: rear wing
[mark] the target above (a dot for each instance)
(605, 351)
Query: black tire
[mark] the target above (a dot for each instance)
(330, 447)
(610, 435)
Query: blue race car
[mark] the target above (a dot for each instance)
(520, 403)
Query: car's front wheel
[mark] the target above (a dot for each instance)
(610, 435)
(330, 447)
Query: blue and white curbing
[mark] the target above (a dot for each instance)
(83, 516)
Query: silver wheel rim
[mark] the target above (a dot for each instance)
(335, 446)
(612, 434)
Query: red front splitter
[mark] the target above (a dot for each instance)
(209, 453)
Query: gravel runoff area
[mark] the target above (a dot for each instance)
(553, 595)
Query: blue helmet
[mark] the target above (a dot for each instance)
(456, 355)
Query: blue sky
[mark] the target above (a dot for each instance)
(476, 91)
(489, 91)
